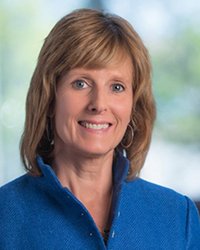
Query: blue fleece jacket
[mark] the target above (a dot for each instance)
(37, 213)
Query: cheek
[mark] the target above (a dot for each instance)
(124, 110)
(62, 113)
(65, 105)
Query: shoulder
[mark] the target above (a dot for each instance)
(153, 191)
(13, 193)
(13, 202)
(14, 185)
(163, 209)
(159, 201)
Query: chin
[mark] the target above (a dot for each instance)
(97, 152)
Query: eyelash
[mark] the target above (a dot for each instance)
(76, 85)
(122, 88)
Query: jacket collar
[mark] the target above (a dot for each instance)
(120, 169)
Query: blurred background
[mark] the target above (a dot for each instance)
(170, 30)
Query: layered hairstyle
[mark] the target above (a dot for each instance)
(87, 38)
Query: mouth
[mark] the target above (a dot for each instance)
(95, 126)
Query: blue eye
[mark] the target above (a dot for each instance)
(80, 84)
(117, 87)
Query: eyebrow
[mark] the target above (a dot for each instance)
(86, 74)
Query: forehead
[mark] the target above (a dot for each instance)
(121, 70)
(118, 59)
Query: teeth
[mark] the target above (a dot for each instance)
(95, 126)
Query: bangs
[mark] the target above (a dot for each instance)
(99, 54)
(93, 49)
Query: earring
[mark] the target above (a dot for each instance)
(124, 153)
(126, 146)
(49, 132)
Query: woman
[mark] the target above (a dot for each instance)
(89, 118)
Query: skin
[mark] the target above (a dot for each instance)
(92, 111)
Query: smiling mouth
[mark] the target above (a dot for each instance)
(95, 126)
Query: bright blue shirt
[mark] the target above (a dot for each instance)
(37, 213)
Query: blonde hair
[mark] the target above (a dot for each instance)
(88, 38)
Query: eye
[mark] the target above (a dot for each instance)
(117, 87)
(80, 84)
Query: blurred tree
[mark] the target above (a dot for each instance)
(177, 87)
(96, 4)
(18, 49)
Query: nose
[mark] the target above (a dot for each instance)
(97, 101)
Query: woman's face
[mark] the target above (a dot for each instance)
(93, 108)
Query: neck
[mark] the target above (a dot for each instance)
(91, 176)
(90, 180)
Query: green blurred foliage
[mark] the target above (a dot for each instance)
(176, 80)
(21, 36)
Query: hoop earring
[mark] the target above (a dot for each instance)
(49, 132)
(131, 139)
